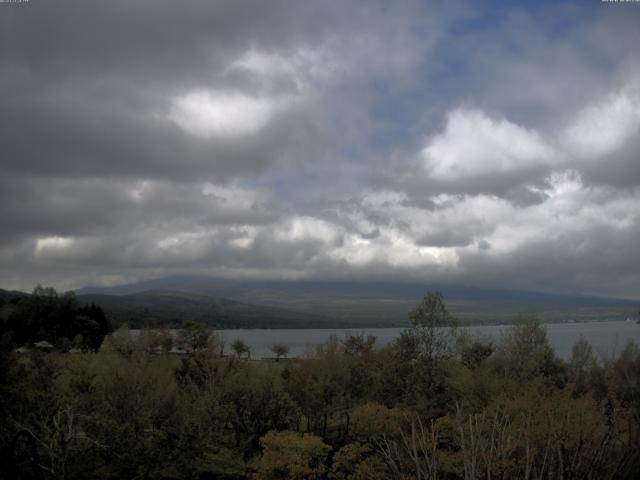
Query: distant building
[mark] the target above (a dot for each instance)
(43, 345)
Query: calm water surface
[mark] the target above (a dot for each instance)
(606, 338)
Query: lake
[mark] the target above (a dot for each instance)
(606, 338)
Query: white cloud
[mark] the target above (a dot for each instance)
(243, 242)
(138, 191)
(66, 249)
(563, 184)
(307, 228)
(217, 114)
(392, 246)
(305, 67)
(412, 236)
(53, 243)
(603, 127)
(474, 144)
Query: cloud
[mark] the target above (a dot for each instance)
(413, 140)
(210, 114)
(496, 155)
(53, 243)
(473, 144)
(606, 126)
(302, 70)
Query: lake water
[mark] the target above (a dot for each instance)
(606, 338)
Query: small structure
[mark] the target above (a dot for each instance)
(43, 345)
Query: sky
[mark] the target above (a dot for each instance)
(477, 143)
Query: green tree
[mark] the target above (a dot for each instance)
(45, 315)
(254, 401)
(431, 312)
(473, 350)
(417, 369)
(197, 336)
(524, 354)
(121, 342)
(358, 344)
(624, 373)
(432, 330)
(581, 366)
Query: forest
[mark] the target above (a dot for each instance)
(437, 403)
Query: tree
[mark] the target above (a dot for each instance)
(372, 421)
(45, 315)
(581, 365)
(418, 369)
(280, 350)
(292, 456)
(358, 344)
(93, 324)
(121, 342)
(525, 354)
(432, 328)
(254, 402)
(63, 345)
(356, 461)
(197, 336)
(625, 379)
(165, 340)
(46, 292)
(78, 342)
(431, 312)
(415, 457)
(240, 347)
(473, 351)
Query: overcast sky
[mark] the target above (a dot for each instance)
(453, 142)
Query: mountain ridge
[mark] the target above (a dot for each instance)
(386, 303)
(221, 303)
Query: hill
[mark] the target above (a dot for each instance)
(8, 295)
(372, 303)
(171, 308)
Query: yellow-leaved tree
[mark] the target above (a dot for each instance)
(291, 456)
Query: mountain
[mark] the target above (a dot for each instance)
(7, 295)
(371, 303)
(153, 308)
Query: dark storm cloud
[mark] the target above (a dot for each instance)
(157, 41)
(320, 139)
(94, 83)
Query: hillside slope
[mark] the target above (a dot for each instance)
(377, 303)
(172, 308)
